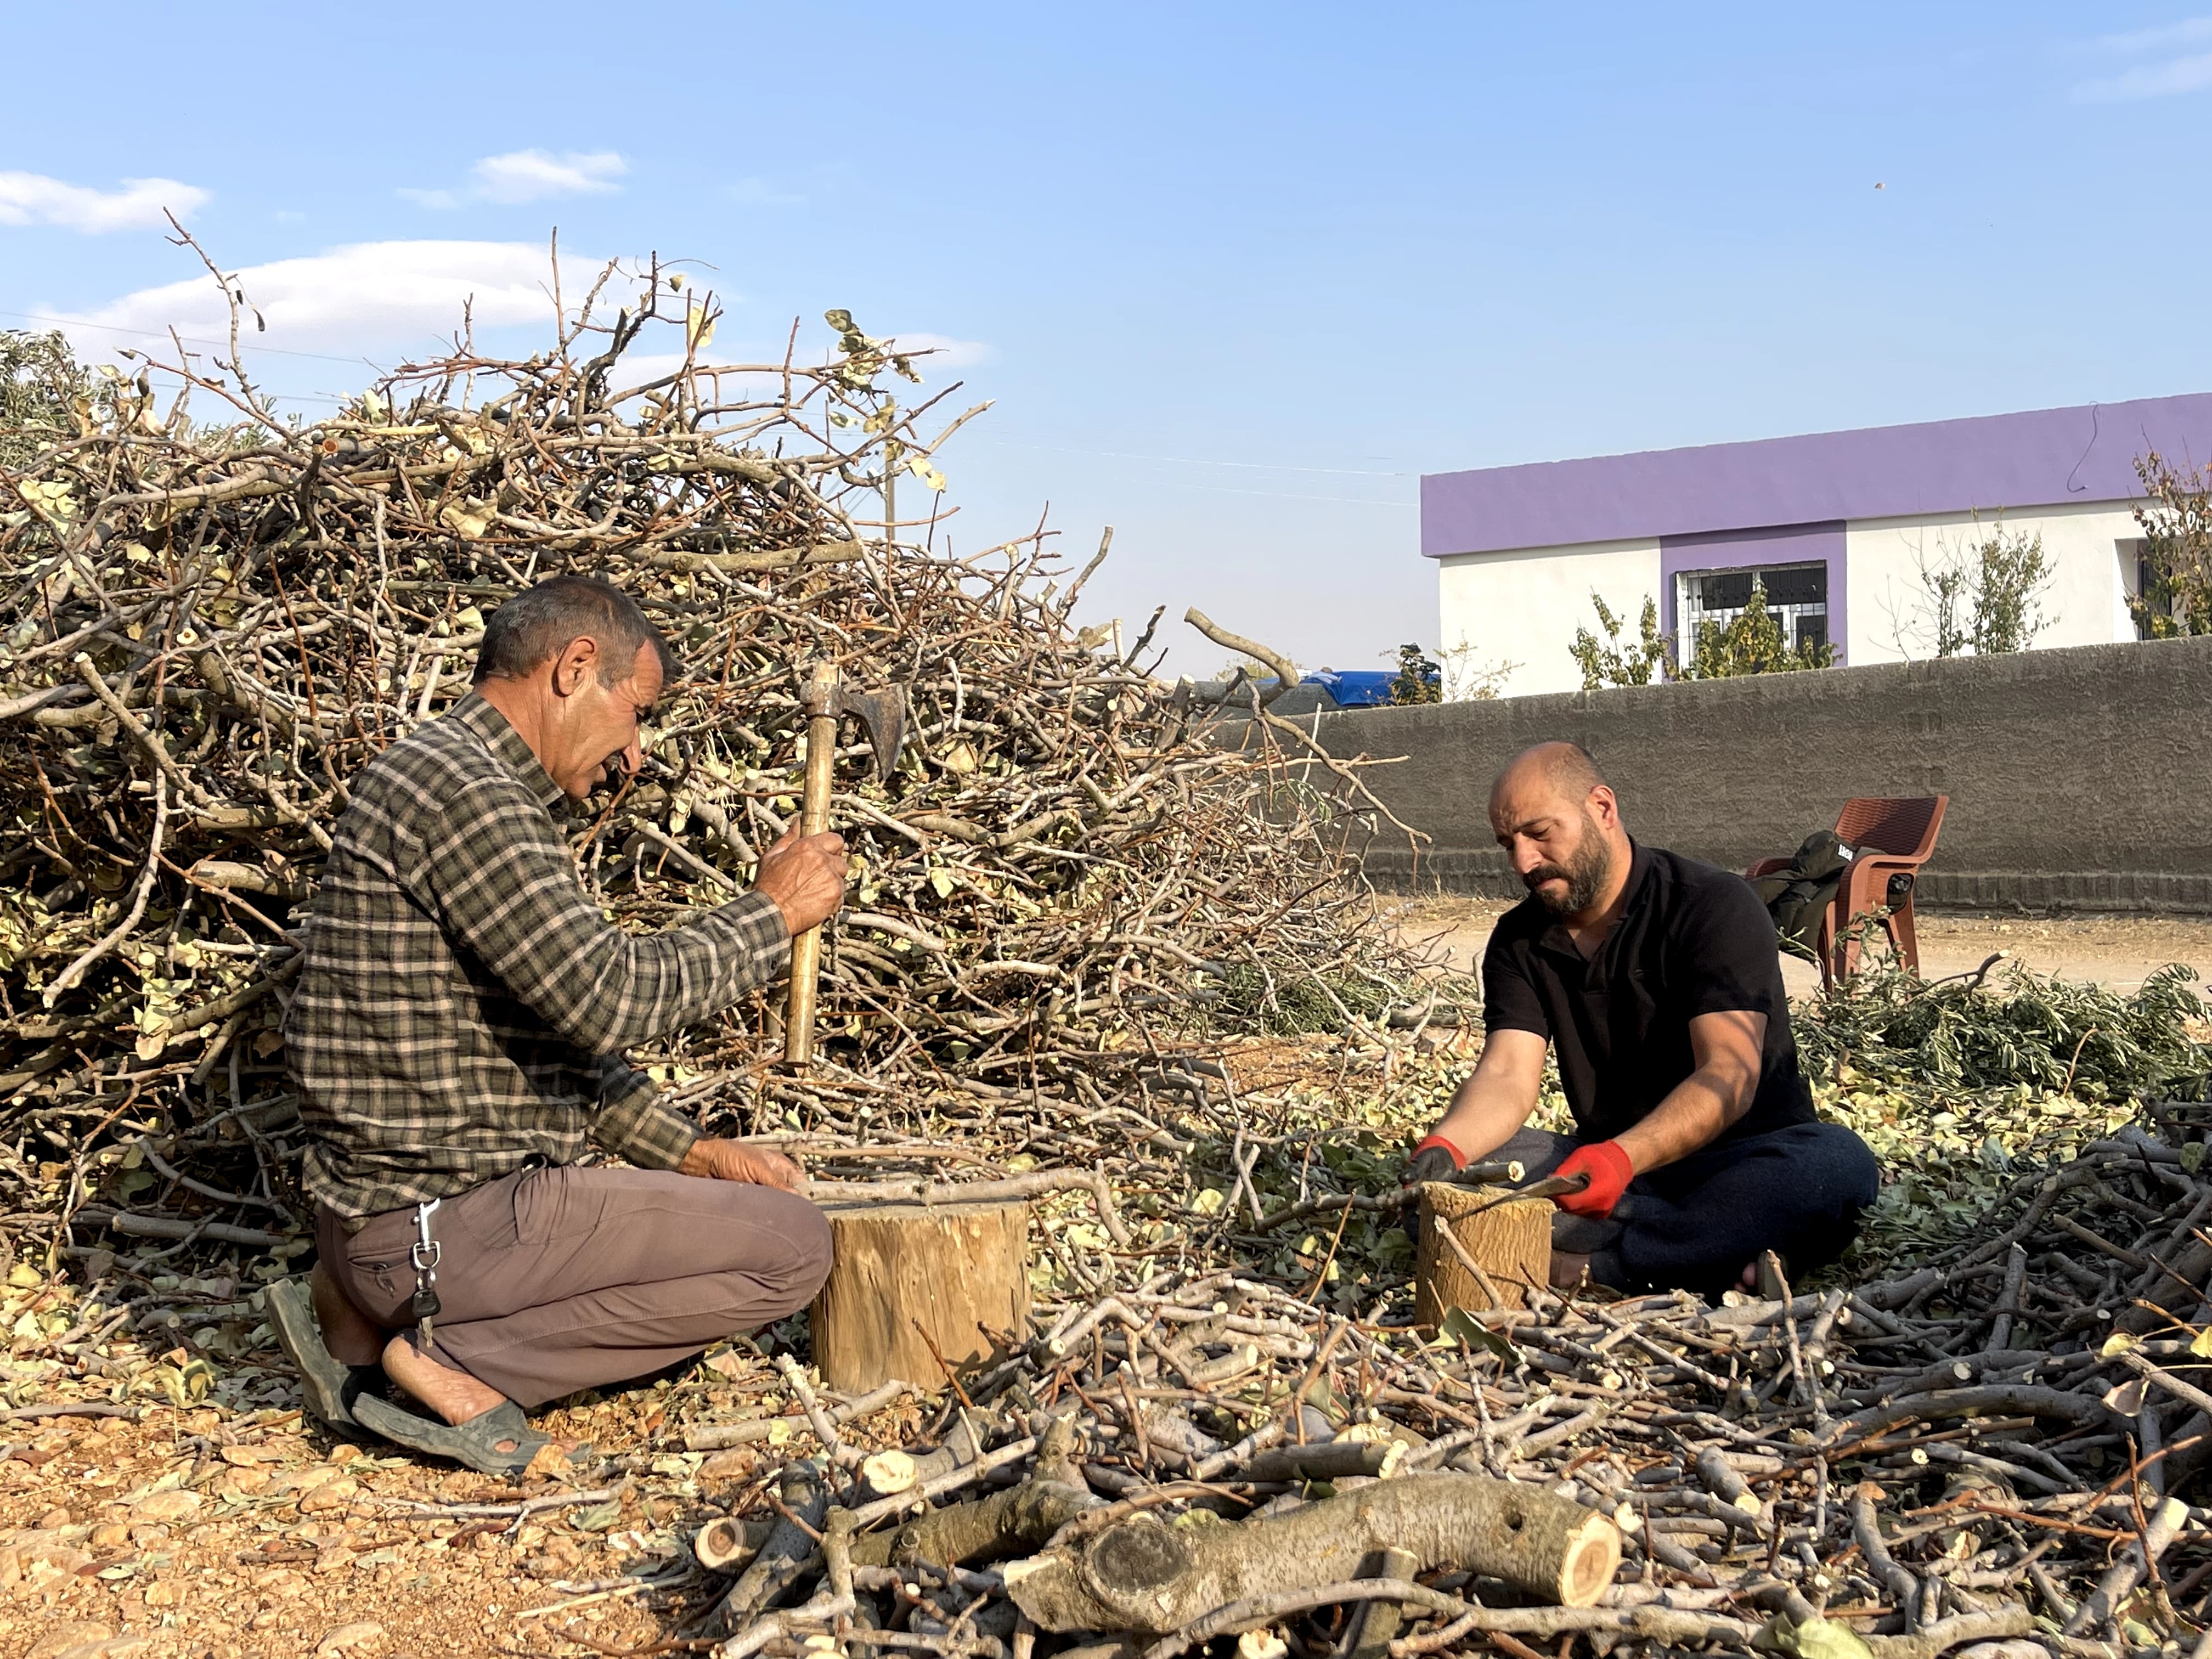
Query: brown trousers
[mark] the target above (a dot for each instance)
(557, 1279)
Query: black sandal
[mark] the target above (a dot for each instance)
(331, 1389)
(475, 1443)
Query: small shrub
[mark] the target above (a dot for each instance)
(1982, 598)
(1285, 1005)
(1466, 681)
(2176, 524)
(1418, 679)
(1607, 662)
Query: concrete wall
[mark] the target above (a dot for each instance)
(1524, 607)
(2078, 778)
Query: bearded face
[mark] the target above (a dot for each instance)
(1582, 876)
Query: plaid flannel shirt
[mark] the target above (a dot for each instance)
(463, 1005)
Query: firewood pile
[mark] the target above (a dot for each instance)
(2003, 1446)
(210, 622)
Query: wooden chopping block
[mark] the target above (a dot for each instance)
(1510, 1241)
(957, 1270)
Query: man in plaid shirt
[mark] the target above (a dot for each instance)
(456, 1036)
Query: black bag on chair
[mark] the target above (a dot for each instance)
(1795, 897)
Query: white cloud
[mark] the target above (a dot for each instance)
(2191, 31)
(2151, 81)
(638, 367)
(380, 299)
(358, 298)
(31, 198)
(531, 175)
(2191, 72)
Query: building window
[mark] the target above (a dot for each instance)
(1796, 596)
(2144, 580)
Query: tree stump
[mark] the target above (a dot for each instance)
(908, 1275)
(1511, 1242)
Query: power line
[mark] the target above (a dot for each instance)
(155, 334)
(1284, 496)
(1190, 460)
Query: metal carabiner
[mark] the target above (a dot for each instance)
(425, 1253)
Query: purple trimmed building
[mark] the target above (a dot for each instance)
(1840, 525)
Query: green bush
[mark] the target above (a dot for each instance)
(2176, 524)
(1607, 662)
(1286, 1005)
(1418, 680)
(39, 383)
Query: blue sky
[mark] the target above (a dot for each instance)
(1234, 275)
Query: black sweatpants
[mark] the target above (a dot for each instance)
(1695, 1223)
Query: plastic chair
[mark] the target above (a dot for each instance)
(1890, 836)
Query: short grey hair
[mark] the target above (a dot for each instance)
(540, 621)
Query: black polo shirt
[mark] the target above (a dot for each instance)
(1690, 940)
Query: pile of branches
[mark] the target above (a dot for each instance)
(2008, 1444)
(209, 626)
(2010, 1029)
(1957, 1083)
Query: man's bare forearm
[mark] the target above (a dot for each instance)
(1496, 1100)
(1699, 1110)
(1480, 1120)
(1696, 1113)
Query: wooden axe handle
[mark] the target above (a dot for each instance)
(813, 819)
(1552, 1187)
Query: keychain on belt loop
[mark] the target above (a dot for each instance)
(424, 1254)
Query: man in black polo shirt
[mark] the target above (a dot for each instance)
(1658, 982)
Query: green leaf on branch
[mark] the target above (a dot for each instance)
(1817, 1639)
(1460, 1326)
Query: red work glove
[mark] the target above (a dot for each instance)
(1434, 1159)
(1609, 1172)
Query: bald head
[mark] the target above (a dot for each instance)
(1564, 769)
(1555, 816)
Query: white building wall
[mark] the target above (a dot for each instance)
(1523, 607)
(2092, 548)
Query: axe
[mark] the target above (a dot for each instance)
(1549, 1187)
(826, 701)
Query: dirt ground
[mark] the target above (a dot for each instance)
(2115, 952)
(197, 1534)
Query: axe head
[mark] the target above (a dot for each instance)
(883, 713)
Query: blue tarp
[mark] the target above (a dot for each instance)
(1361, 688)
